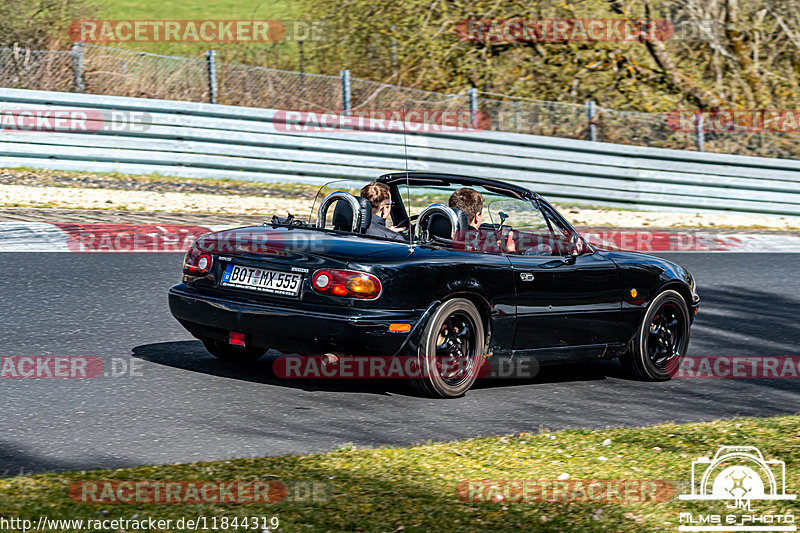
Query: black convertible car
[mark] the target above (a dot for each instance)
(524, 284)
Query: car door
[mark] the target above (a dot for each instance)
(568, 294)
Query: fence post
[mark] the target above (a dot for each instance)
(78, 84)
(302, 57)
(394, 58)
(590, 118)
(302, 69)
(473, 106)
(394, 52)
(346, 107)
(211, 60)
(700, 132)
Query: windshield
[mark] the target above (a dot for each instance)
(497, 208)
(505, 224)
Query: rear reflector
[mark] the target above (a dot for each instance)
(236, 339)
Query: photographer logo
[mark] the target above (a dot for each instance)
(740, 477)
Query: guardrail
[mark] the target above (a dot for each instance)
(205, 140)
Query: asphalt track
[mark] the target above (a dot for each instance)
(185, 406)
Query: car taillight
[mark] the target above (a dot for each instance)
(346, 283)
(196, 262)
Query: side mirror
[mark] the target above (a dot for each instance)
(576, 245)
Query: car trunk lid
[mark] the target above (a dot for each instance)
(281, 253)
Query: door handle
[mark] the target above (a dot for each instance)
(526, 276)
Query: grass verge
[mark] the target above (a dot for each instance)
(415, 488)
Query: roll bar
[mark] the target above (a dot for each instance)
(437, 209)
(330, 199)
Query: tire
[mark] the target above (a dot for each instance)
(452, 350)
(233, 354)
(657, 350)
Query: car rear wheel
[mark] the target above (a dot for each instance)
(660, 345)
(234, 354)
(451, 353)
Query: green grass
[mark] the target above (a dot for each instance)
(208, 10)
(414, 489)
(199, 9)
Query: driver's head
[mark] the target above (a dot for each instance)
(379, 197)
(470, 202)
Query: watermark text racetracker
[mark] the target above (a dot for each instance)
(735, 121)
(195, 31)
(172, 238)
(591, 30)
(73, 120)
(575, 490)
(564, 30)
(158, 491)
(68, 367)
(739, 367)
(92, 237)
(371, 120)
(332, 366)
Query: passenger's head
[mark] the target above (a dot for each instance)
(380, 198)
(470, 202)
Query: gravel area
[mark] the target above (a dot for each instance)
(76, 198)
(113, 216)
(114, 181)
(645, 219)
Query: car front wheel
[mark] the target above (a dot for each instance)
(655, 354)
(451, 352)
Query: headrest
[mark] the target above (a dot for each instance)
(463, 223)
(439, 225)
(343, 212)
(438, 220)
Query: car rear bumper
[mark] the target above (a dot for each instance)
(347, 330)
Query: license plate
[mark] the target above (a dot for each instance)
(257, 279)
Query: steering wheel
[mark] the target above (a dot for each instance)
(409, 223)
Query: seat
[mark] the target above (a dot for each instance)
(343, 216)
(350, 213)
(442, 222)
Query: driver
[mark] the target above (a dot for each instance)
(471, 202)
(380, 198)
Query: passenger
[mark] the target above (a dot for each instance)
(380, 199)
(471, 202)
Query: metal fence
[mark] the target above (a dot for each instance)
(214, 140)
(111, 71)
